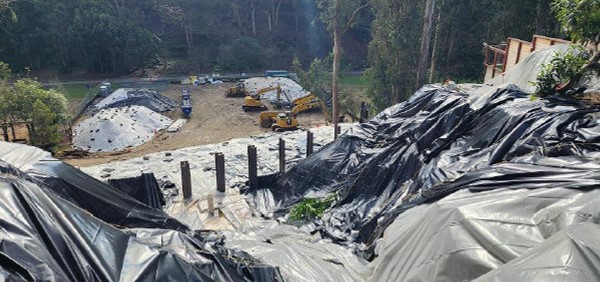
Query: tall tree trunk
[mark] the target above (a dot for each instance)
(395, 94)
(435, 43)
(269, 20)
(30, 132)
(540, 17)
(12, 129)
(296, 12)
(190, 30)
(296, 18)
(5, 132)
(276, 13)
(425, 42)
(236, 12)
(120, 7)
(253, 17)
(188, 40)
(337, 49)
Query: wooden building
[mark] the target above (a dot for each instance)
(502, 57)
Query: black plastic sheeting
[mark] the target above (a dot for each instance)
(401, 157)
(143, 188)
(59, 224)
(146, 98)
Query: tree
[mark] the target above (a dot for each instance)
(425, 41)
(7, 99)
(245, 54)
(273, 13)
(393, 50)
(5, 6)
(317, 78)
(23, 107)
(5, 111)
(4, 71)
(339, 16)
(45, 130)
(580, 19)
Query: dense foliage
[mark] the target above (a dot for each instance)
(580, 19)
(458, 32)
(563, 69)
(118, 37)
(409, 42)
(43, 112)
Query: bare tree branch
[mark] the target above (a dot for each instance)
(351, 20)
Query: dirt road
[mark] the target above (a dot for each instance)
(215, 119)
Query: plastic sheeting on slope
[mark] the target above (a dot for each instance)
(118, 128)
(69, 221)
(387, 165)
(143, 188)
(570, 255)
(137, 97)
(291, 89)
(468, 233)
(299, 255)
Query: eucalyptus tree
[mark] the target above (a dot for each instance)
(339, 16)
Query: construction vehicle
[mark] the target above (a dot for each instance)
(253, 102)
(239, 90)
(186, 103)
(280, 121)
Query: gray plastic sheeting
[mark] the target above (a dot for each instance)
(570, 255)
(299, 255)
(524, 234)
(58, 224)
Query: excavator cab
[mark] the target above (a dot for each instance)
(253, 104)
(285, 121)
(279, 121)
(239, 90)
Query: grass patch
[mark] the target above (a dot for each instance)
(353, 81)
(311, 208)
(76, 92)
(72, 91)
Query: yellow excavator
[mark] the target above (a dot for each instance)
(239, 90)
(281, 121)
(253, 102)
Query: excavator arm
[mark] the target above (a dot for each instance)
(266, 90)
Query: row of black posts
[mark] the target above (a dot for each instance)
(186, 179)
(253, 160)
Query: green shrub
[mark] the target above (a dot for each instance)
(311, 208)
(564, 68)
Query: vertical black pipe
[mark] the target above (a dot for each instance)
(281, 155)
(252, 167)
(220, 166)
(309, 143)
(186, 180)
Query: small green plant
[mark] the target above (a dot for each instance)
(562, 72)
(311, 208)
